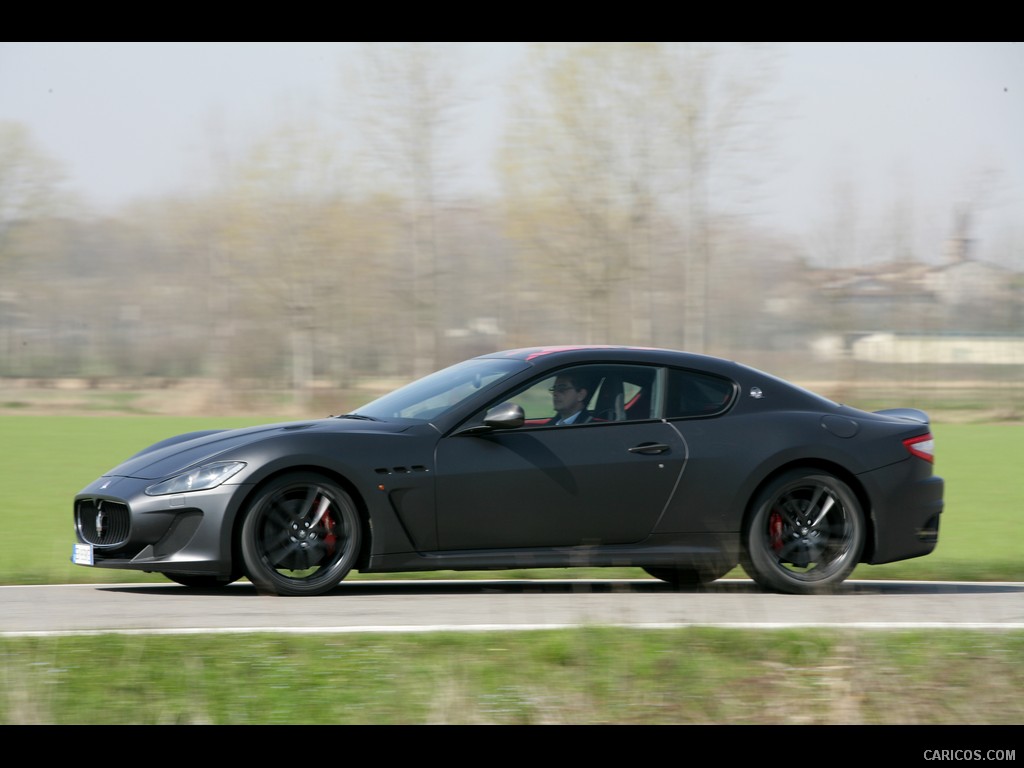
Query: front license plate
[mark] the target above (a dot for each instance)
(82, 555)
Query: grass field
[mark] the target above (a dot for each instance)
(591, 675)
(45, 460)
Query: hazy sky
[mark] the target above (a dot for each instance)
(914, 124)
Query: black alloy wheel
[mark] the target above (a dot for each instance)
(301, 536)
(805, 533)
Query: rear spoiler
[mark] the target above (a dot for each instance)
(907, 414)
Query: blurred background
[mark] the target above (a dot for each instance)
(227, 228)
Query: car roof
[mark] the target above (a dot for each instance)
(579, 353)
(555, 357)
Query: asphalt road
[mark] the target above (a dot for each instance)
(390, 606)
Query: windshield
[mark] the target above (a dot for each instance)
(433, 395)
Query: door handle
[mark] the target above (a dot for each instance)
(649, 449)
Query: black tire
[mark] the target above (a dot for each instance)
(202, 581)
(301, 536)
(690, 577)
(805, 533)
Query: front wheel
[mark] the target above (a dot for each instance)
(805, 533)
(301, 536)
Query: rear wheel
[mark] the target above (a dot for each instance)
(301, 536)
(805, 533)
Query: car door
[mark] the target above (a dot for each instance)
(602, 482)
(721, 452)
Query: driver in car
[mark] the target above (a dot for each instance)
(569, 396)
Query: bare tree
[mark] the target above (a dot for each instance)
(583, 166)
(284, 264)
(31, 235)
(721, 91)
(412, 115)
(612, 146)
(29, 184)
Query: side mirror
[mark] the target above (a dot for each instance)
(504, 416)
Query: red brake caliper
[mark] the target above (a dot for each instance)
(329, 537)
(324, 522)
(775, 530)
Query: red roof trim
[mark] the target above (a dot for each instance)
(531, 353)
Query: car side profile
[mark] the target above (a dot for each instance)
(681, 464)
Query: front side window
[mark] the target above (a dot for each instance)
(588, 394)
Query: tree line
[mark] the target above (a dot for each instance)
(323, 257)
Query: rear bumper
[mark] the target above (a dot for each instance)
(906, 507)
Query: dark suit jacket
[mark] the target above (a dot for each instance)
(582, 418)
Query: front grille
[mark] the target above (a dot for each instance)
(102, 523)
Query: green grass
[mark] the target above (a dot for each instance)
(45, 460)
(981, 537)
(585, 676)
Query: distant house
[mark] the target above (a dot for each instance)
(938, 349)
(971, 282)
(961, 295)
(960, 311)
(892, 296)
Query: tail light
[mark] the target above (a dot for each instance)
(922, 446)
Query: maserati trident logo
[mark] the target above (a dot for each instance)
(100, 518)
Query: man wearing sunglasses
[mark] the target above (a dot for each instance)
(569, 397)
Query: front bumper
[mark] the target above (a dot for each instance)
(179, 533)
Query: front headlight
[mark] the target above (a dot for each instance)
(200, 479)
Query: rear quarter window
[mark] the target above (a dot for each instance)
(691, 394)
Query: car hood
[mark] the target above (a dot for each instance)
(177, 454)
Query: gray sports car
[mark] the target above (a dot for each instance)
(682, 464)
